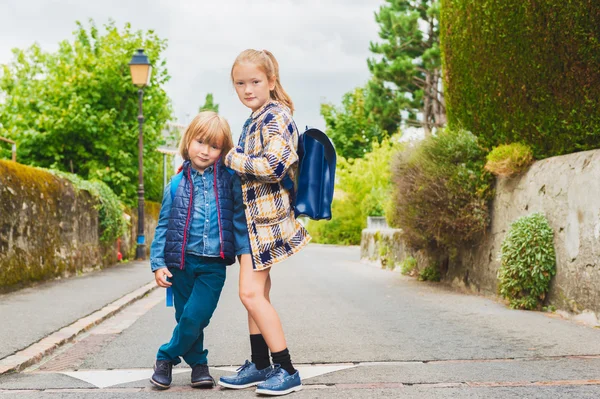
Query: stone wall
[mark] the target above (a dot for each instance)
(566, 190)
(50, 229)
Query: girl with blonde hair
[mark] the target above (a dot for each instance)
(266, 159)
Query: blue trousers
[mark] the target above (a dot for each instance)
(196, 292)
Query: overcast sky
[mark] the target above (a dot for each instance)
(321, 45)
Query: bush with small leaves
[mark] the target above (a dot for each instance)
(528, 262)
(430, 273)
(408, 265)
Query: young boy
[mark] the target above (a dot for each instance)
(201, 229)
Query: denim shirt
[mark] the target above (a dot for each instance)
(204, 238)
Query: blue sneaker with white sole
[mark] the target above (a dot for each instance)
(280, 382)
(247, 376)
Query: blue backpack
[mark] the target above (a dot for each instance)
(313, 193)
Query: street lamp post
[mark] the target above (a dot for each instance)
(140, 75)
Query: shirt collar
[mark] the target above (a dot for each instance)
(207, 170)
(267, 106)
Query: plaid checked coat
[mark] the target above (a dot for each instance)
(267, 152)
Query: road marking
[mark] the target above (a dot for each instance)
(109, 378)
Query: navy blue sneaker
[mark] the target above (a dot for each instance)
(246, 376)
(280, 382)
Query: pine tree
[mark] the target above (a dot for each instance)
(409, 65)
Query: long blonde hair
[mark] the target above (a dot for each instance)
(266, 62)
(211, 128)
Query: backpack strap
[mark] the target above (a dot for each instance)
(175, 180)
(231, 171)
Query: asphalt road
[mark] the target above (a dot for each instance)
(379, 334)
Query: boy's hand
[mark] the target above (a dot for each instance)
(160, 275)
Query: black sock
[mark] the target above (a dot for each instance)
(260, 351)
(284, 359)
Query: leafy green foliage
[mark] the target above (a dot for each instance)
(209, 104)
(350, 128)
(441, 191)
(528, 262)
(110, 210)
(408, 265)
(509, 159)
(362, 189)
(76, 109)
(408, 62)
(524, 71)
(430, 273)
(386, 256)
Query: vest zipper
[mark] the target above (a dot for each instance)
(187, 220)
(222, 254)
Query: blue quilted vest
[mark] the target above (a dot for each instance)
(182, 210)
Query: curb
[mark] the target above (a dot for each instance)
(35, 352)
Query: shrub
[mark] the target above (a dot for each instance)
(386, 256)
(528, 262)
(430, 273)
(524, 71)
(441, 191)
(110, 209)
(362, 189)
(509, 159)
(408, 265)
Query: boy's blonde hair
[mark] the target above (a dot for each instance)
(266, 62)
(211, 128)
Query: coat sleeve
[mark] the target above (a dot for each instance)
(278, 154)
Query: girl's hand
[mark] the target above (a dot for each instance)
(227, 157)
(161, 275)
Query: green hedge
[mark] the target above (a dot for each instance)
(524, 71)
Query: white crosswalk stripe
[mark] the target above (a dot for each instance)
(109, 378)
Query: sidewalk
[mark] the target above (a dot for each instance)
(33, 313)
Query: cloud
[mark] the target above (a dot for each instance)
(321, 45)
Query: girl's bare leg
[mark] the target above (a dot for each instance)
(254, 288)
(252, 327)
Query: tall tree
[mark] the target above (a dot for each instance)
(76, 109)
(383, 106)
(409, 60)
(209, 104)
(350, 127)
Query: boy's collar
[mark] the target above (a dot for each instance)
(188, 165)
